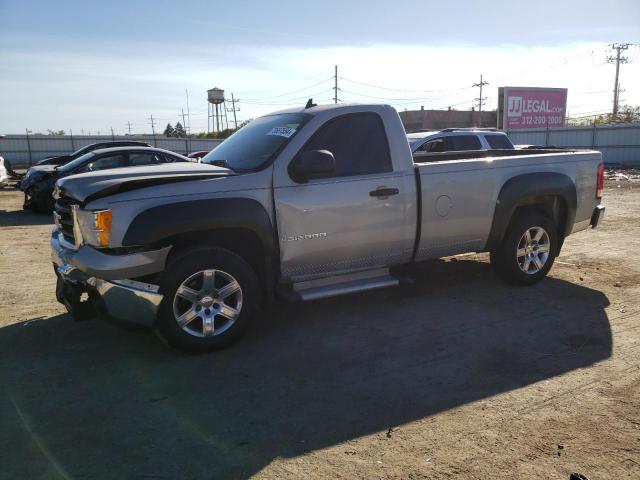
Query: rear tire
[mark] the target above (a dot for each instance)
(210, 296)
(528, 249)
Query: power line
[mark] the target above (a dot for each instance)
(399, 89)
(288, 101)
(398, 100)
(291, 92)
(617, 59)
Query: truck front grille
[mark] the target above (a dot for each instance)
(65, 221)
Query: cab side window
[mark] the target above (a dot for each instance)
(433, 146)
(103, 163)
(144, 158)
(358, 142)
(499, 142)
(457, 143)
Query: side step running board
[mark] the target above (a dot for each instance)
(313, 290)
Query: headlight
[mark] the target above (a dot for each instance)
(95, 226)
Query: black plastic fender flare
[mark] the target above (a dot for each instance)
(528, 189)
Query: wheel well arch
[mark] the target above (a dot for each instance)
(242, 241)
(241, 225)
(551, 193)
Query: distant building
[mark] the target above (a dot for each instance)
(414, 120)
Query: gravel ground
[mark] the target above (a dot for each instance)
(457, 375)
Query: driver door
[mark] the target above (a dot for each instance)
(354, 218)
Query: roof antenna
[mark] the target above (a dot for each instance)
(310, 104)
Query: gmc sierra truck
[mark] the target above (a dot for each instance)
(304, 204)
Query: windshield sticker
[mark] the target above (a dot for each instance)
(285, 132)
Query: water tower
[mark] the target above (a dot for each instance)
(216, 108)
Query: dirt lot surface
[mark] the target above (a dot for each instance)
(456, 375)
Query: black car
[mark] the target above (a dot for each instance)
(198, 155)
(40, 180)
(62, 159)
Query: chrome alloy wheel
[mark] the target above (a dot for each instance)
(533, 250)
(207, 303)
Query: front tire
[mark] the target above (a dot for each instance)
(210, 296)
(528, 249)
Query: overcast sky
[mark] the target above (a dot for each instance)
(85, 66)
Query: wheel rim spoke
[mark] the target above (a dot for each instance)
(521, 252)
(208, 328)
(208, 280)
(229, 312)
(538, 263)
(187, 293)
(527, 236)
(187, 317)
(543, 248)
(229, 289)
(538, 235)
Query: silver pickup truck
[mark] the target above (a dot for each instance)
(303, 204)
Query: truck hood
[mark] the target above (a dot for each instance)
(86, 187)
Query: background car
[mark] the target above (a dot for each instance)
(458, 139)
(4, 175)
(40, 180)
(62, 159)
(198, 155)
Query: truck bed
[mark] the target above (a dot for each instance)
(459, 191)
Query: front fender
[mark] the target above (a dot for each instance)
(161, 222)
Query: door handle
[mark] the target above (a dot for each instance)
(384, 192)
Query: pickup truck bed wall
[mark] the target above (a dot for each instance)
(460, 197)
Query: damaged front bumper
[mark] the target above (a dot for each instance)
(110, 292)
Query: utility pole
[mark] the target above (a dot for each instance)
(480, 99)
(129, 127)
(234, 110)
(183, 121)
(335, 85)
(112, 137)
(27, 131)
(617, 59)
(153, 130)
(188, 129)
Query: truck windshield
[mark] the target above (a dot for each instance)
(256, 143)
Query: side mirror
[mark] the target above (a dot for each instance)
(312, 163)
